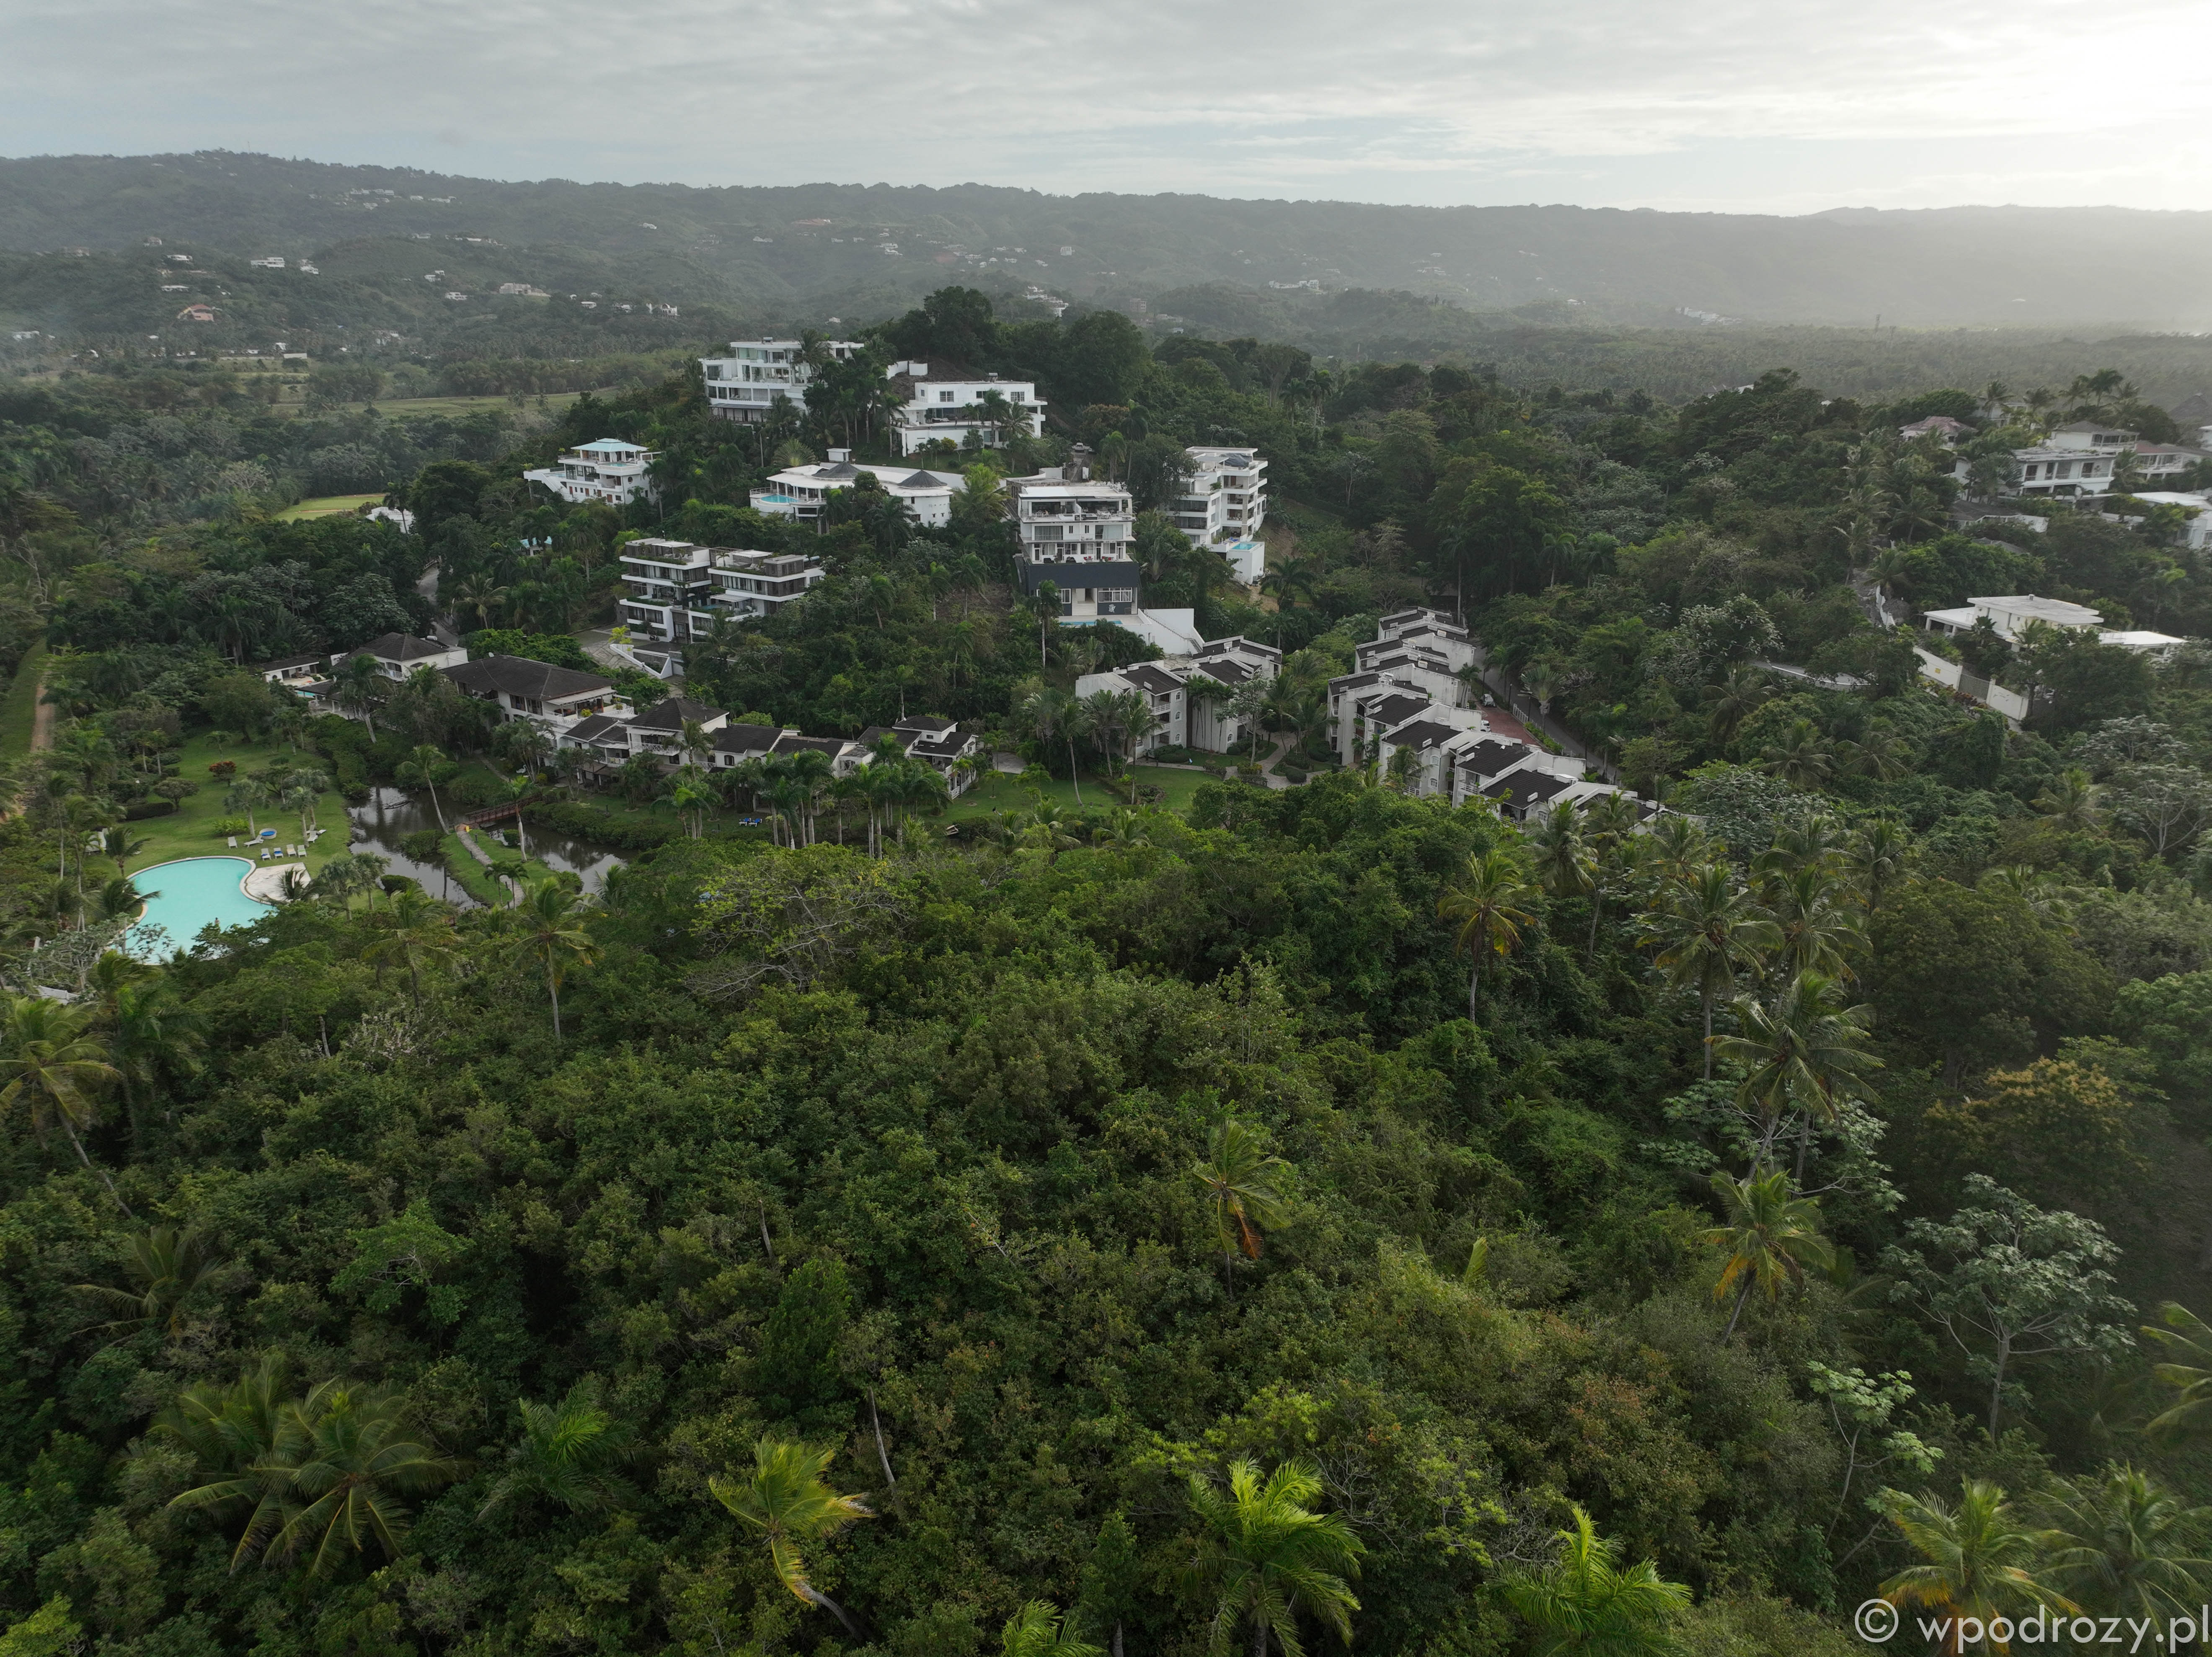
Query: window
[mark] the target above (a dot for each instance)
(944, 396)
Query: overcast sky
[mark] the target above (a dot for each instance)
(1721, 105)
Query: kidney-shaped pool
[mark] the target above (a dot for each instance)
(183, 896)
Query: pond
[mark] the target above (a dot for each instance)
(183, 896)
(391, 814)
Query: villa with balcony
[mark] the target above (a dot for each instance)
(610, 471)
(1223, 506)
(801, 492)
(945, 402)
(744, 386)
(673, 590)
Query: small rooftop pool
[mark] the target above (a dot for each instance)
(183, 896)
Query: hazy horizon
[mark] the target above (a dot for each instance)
(1730, 107)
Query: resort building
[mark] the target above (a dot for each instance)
(673, 590)
(1189, 694)
(945, 403)
(1223, 506)
(2013, 616)
(801, 492)
(936, 742)
(745, 385)
(557, 697)
(398, 654)
(609, 470)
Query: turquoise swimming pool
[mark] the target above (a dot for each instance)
(187, 894)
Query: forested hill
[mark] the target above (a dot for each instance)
(779, 248)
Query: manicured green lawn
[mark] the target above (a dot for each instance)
(19, 709)
(327, 505)
(190, 832)
(996, 791)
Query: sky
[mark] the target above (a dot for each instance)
(1725, 105)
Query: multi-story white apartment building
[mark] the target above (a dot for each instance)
(1189, 694)
(945, 402)
(609, 470)
(2082, 460)
(1075, 532)
(1224, 504)
(673, 590)
(745, 385)
(800, 491)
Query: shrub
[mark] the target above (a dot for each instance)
(149, 808)
(594, 822)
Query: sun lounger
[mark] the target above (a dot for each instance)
(231, 842)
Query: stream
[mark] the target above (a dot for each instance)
(392, 813)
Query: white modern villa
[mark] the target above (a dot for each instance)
(745, 385)
(609, 470)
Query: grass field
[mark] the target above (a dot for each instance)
(327, 505)
(19, 709)
(190, 832)
(996, 791)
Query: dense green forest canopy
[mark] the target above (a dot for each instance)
(904, 1242)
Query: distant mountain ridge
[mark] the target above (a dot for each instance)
(777, 250)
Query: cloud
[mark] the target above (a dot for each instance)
(1607, 102)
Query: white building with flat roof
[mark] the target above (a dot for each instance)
(801, 491)
(1075, 532)
(2012, 616)
(1224, 503)
(673, 590)
(745, 385)
(610, 470)
(945, 403)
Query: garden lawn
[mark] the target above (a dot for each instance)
(189, 831)
(995, 791)
(328, 506)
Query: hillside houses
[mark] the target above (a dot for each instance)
(1190, 693)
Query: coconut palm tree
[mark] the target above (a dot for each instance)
(548, 931)
(1741, 691)
(1979, 1561)
(1804, 1052)
(153, 1033)
(570, 1453)
(2188, 1339)
(1566, 866)
(164, 1265)
(420, 769)
(1265, 1557)
(1039, 1631)
(348, 1456)
(1490, 900)
(52, 1069)
(1770, 1236)
(231, 1434)
(786, 1500)
(361, 688)
(1238, 1175)
(2072, 801)
(417, 931)
(1586, 1603)
(1876, 858)
(2118, 1545)
(1799, 756)
(1817, 934)
(1707, 930)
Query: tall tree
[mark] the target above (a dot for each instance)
(53, 1070)
(1265, 1558)
(1491, 900)
(1978, 1562)
(787, 1500)
(1586, 1603)
(1707, 930)
(1239, 1175)
(548, 930)
(1770, 1237)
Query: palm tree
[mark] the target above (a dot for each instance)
(117, 842)
(1265, 1556)
(1707, 930)
(420, 770)
(1799, 757)
(1979, 1562)
(51, 1066)
(569, 1454)
(479, 594)
(1051, 713)
(1566, 866)
(2071, 800)
(549, 933)
(348, 1456)
(1804, 1053)
(693, 793)
(1038, 1631)
(232, 1434)
(787, 1500)
(164, 1265)
(1741, 692)
(1586, 1603)
(1770, 1237)
(416, 931)
(1817, 933)
(249, 795)
(1876, 857)
(2118, 1545)
(1236, 1175)
(1490, 900)
(153, 1034)
(361, 688)
(2188, 1338)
